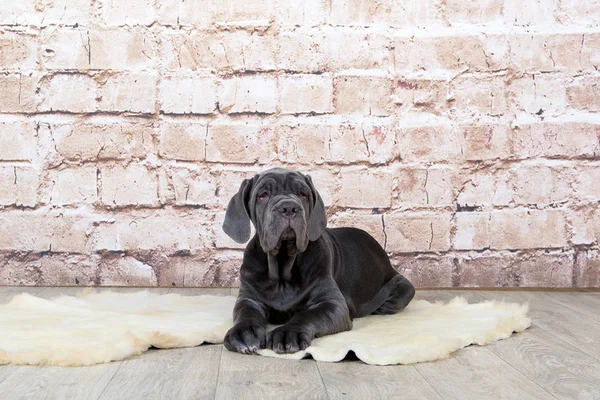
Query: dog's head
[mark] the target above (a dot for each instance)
(282, 204)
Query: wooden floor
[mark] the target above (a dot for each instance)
(557, 358)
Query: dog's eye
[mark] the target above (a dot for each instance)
(303, 195)
(263, 196)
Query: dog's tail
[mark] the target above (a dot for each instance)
(393, 297)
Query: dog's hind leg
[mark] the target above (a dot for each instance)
(400, 293)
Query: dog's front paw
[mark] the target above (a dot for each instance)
(246, 339)
(287, 340)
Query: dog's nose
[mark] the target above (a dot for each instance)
(288, 208)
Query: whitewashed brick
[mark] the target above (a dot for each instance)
(416, 232)
(129, 92)
(133, 185)
(365, 188)
(17, 141)
(306, 94)
(249, 94)
(73, 185)
(527, 229)
(183, 141)
(187, 95)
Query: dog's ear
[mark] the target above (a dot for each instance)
(237, 217)
(318, 219)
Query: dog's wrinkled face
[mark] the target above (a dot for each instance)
(284, 207)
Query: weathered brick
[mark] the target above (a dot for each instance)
(57, 93)
(477, 53)
(65, 48)
(306, 143)
(527, 229)
(541, 270)
(365, 12)
(306, 94)
(485, 188)
(131, 185)
(49, 269)
(538, 94)
(540, 184)
(167, 233)
(19, 50)
(418, 231)
(584, 94)
(362, 188)
(423, 95)
(220, 270)
(18, 93)
(118, 13)
(123, 270)
(17, 141)
(425, 271)
(372, 224)
(18, 186)
(372, 141)
(557, 139)
(472, 231)
(89, 141)
(419, 187)
(586, 271)
(30, 12)
(226, 51)
(476, 12)
(198, 13)
(366, 95)
(246, 12)
(539, 12)
(300, 12)
(183, 140)
(560, 52)
(486, 141)
(59, 231)
(121, 49)
(579, 13)
(587, 185)
(131, 92)
(325, 49)
(254, 143)
(193, 187)
(73, 185)
(187, 95)
(585, 224)
(249, 94)
(428, 142)
(482, 96)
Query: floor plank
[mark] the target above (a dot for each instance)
(554, 317)
(584, 303)
(255, 377)
(57, 382)
(477, 373)
(357, 380)
(186, 373)
(556, 366)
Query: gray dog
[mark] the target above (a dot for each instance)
(297, 272)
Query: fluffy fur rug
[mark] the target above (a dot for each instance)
(101, 327)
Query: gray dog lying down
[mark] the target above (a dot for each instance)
(299, 273)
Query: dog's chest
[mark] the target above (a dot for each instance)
(283, 296)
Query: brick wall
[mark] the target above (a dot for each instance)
(464, 135)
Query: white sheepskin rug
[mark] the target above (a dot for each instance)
(101, 327)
